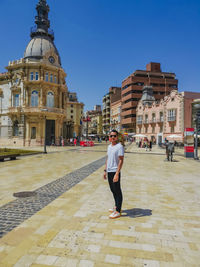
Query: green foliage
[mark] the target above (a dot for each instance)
(8, 151)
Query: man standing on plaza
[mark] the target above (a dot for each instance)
(114, 162)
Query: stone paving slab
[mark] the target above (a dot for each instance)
(160, 224)
(31, 172)
(15, 212)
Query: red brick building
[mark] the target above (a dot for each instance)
(162, 82)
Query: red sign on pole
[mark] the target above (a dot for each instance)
(86, 119)
(189, 143)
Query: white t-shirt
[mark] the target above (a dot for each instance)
(113, 154)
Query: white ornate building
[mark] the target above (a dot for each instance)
(33, 92)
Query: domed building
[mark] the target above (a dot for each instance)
(34, 98)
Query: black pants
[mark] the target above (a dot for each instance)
(116, 190)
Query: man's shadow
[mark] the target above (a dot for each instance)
(133, 213)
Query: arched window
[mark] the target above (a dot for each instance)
(51, 78)
(161, 116)
(33, 133)
(16, 100)
(34, 99)
(146, 118)
(36, 76)
(50, 100)
(47, 77)
(31, 76)
(15, 128)
(153, 117)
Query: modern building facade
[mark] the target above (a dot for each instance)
(115, 108)
(33, 91)
(106, 113)
(162, 82)
(171, 115)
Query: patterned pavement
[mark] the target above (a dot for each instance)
(17, 211)
(159, 226)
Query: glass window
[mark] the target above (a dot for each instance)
(47, 77)
(72, 105)
(16, 100)
(15, 129)
(33, 133)
(34, 99)
(31, 76)
(55, 79)
(51, 78)
(153, 117)
(171, 115)
(71, 117)
(72, 111)
(36, 76)
(161, 116)
(50, 100)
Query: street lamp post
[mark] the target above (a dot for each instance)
(197, 124)
(45, 130)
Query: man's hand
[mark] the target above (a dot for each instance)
(116, 178)
(105, 175)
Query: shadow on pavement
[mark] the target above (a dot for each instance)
(133, 213)
(174, 160)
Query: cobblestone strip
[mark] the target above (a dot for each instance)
(19, 210)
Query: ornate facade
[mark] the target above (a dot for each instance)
(158, 120)
(33, 93)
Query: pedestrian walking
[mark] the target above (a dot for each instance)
(150, 145)
(71, 141)
(146, 144)
(114, 162)
(75, 141)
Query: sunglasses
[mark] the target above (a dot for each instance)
(112, 136)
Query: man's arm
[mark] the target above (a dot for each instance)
(116, 177)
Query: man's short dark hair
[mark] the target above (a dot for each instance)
(114, 131)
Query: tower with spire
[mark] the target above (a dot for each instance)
(42, 44)
(36, 96)
(42, 21)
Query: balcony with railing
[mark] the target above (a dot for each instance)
(139, 122)
(35, 31)
(35, 110)
(153, 120)
(160, 120)
(13, 110)
(146, 121)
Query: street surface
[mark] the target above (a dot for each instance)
(66, 223)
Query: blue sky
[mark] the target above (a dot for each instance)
(101, 42)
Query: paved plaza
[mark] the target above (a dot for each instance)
(65, 223)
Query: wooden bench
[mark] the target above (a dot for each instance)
(11, 157)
